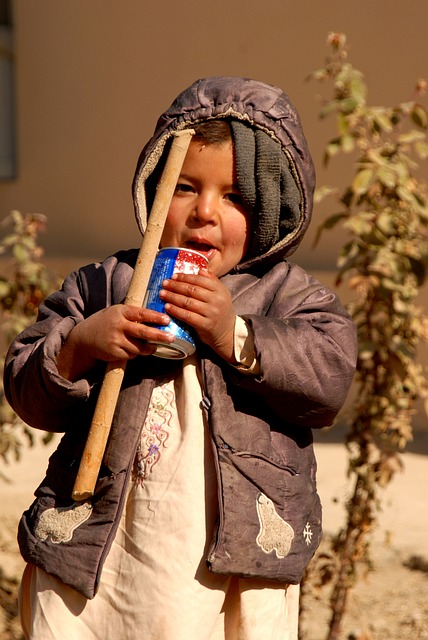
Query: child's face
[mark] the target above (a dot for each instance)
(207, 213)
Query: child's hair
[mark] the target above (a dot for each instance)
(212, 132)
(207, 132)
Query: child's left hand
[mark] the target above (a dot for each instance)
(205, 304)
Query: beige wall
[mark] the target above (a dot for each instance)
(92, 77)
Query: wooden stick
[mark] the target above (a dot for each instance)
(93, 453)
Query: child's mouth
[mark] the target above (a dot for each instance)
(206, 249)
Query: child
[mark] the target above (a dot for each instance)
(205, 512)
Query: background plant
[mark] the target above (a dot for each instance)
(384, 215)
(25, 281)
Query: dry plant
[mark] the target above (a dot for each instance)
(384, 216)
(24, 283)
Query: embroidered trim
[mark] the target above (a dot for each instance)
(155, 432)
(275, 533)
(58, 524)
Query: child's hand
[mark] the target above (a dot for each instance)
(115, 333)
(205, 304)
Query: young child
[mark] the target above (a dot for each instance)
(205, 512)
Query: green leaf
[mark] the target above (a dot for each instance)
(348, 255)
(385, 222)
(347, 144)
(411, 136)
(421, 149)
(4, 289)
(360, 224)
(328, 109)
(343, 124)
(348, 105)
(20, 252)
(383, 121)
(358, 86)
(420, 116)
(331, 150)
(387, 176)
(409, 197)
(333, 147)
(391, 285)
(323, 192)
(362, 181)
(11, 239)
(329, 224)
(403, 172)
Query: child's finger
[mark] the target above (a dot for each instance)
(141, 314)
(204, 278)
(143, 333)
(189, 289)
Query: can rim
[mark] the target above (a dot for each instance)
(198, 253)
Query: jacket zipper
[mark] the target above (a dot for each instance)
(206, 404)
(220, 525)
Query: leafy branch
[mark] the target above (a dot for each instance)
(384, 261)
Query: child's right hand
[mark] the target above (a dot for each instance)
(116, 333)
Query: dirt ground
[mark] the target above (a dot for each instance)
(390, 603)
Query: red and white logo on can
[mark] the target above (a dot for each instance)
(168, 261)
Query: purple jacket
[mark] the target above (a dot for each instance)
(261, 425)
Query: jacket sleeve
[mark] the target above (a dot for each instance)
(32, 384)
(306, 347)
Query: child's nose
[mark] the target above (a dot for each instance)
(206, 207)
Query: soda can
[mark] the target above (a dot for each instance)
(168, 261)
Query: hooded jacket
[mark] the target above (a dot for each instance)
(260, 425)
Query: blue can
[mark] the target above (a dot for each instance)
(169, 261)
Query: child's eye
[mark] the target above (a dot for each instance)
(235, 198)
(183, 188)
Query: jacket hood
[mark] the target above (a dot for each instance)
(275, 170)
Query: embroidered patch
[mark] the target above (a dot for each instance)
(275, 533)
(155, 432)
(307, 534)
(59, 523)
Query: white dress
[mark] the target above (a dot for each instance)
(155, 584)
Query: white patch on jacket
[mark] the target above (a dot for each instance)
(275, 533)
(59, 523)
